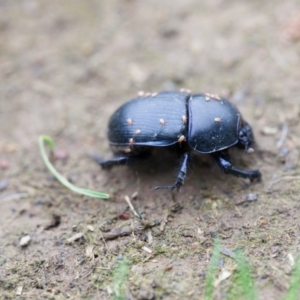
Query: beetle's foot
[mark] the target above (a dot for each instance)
(228, 168)
(176, 186)
(255, 174)
(163, 187)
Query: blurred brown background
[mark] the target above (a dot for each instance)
(65, 66)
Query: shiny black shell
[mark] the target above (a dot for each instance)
(207, 123)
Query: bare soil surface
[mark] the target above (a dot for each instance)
(65, 66)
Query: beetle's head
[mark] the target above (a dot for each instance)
(246, 138)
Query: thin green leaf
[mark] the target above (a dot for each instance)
(243, 280)
(47, 139)
(212, 270)
(120, 274)
(293, 292)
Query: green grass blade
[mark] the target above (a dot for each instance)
(211, 272)
(47, 139)
(293, 292)
(120, 274)
(243, 280)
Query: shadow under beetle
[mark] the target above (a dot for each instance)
(204, 123)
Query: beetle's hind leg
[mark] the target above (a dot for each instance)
(121, 157)
(118, 160)
(180, 177)
(227, 167)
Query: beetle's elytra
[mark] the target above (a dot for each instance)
(203, 123)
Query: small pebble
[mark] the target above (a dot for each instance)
(61, 154)
(248, 198)
(3, 184)
(145, 295)
(19, 290)
(124, 216)
(269, 130)
(90, 228)
(4, 164)
(251, 197)
(25, 240)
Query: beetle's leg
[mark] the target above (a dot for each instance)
(180, 177)
(118, 160)
(228, 168)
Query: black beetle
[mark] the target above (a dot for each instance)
(204, 123)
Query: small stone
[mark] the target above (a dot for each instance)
(140, 244)
(89, 251)
(61, 154)
(4, 164)
(124, 216)
(25, 240)
(250, 150)
(248, 198)
(145, 295)
(19, 290)
(90, 228)
(267, 130)
(3, 184)
(251, 197)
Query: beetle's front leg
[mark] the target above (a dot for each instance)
(228, 168)
(180, 177)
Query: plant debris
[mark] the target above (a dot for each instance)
(75, 237)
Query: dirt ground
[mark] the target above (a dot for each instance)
(65, 66)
